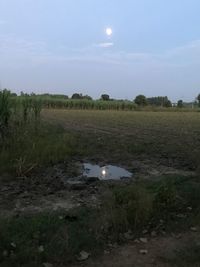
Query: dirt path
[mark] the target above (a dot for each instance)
(161, 252)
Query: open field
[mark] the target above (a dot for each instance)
(46, 220)
(171, 138)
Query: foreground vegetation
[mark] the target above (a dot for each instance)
(169, 205)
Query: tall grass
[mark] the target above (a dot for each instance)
(26, 142)
(5, 110)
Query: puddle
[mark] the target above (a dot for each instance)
(108, 172)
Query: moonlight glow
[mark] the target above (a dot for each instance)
(109, 31)
(103, 172)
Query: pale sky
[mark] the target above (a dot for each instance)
(61, 47)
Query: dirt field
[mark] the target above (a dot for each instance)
(171, 138)
(154, 146)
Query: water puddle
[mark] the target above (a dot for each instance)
(108, 172)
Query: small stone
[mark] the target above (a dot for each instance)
(40, 249)
(143, 240)
(193, 229)
(61, 217)
(143, 251)
(13, 245)
(145, 232)
(189, 208)
(137, 241)
(106, 252)
(83, 256)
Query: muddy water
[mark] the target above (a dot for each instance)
(108, 172)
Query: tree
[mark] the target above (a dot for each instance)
(180, 104)
(160, 101)
(105, 97)
(141, 100)
(77, 96)
(167, 104)
(198, 98)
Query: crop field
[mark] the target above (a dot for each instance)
(47, 221)
(171, 138)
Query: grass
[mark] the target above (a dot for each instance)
(27, 148)
(51, 237)
(144, 205)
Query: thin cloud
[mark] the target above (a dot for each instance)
(105, 45)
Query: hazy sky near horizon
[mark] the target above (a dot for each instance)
(61, 47)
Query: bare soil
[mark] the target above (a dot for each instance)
(160, 252)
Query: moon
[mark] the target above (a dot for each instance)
(109, 31)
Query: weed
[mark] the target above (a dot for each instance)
(26, 107)
(47, 237)
(166, 196)
(128, 207)
(5, 110)
(27, 149)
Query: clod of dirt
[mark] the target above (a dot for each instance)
(40, 249)
(193, 229)
(13, 245)
(143, 240)
(83, 256)
(129, 235)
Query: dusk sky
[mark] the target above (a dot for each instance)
(61, 46)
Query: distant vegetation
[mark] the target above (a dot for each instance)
(80, 101)
(20, 111)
